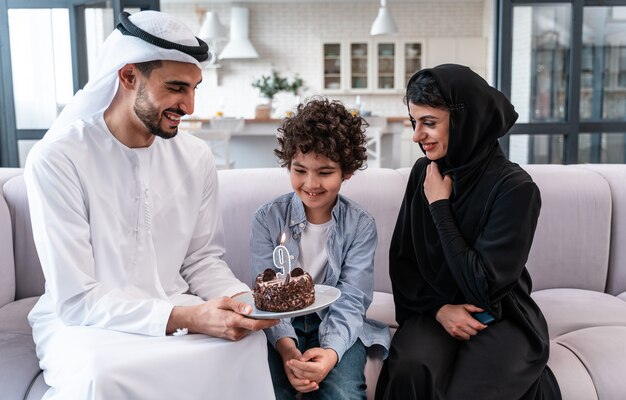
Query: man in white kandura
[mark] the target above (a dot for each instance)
(128, 230)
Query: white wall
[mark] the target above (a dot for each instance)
(288, 38)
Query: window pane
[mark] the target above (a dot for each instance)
(603, 78)
(536, 149)
(98, 25)
(541, 46)
(41, 63)
(606, 148)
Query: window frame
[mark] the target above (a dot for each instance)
(9, 134)
(572, 126)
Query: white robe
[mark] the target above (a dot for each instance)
(124, 235)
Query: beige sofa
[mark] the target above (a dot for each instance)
(578, 265)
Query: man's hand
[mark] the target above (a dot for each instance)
(436, 186)
(458, 322)
(222, 317)
(288, 351)
(314, 364)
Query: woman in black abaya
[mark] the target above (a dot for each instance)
(460, 247)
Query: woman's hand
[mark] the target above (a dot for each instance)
(436, 186)
(458, 322)
(314, 364)
(288, 351)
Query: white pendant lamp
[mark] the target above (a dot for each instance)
(212, 29)
(384, 23)
(239, 45)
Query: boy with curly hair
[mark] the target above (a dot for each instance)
(333, 239)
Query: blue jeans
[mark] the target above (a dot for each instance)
(346, 381)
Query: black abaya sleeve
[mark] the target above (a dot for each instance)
(411, 293)
(488, 269)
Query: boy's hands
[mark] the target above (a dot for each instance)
(314, 364)
(288, 351)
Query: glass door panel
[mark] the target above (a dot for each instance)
(540, 61)
(412, 59)
(358, 66)
(41, 65)
(386, 60)
(603, 64)
(99, 23)
(332, 66)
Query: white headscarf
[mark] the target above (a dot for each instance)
(119, 50)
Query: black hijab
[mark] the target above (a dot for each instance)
(479, 115)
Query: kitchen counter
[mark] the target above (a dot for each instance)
(253, 146)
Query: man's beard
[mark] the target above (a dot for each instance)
(150, 115)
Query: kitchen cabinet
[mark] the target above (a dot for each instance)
(413, 59)
(359, 66)
(379, 65)
(369, 66)
(385, 68)
(332, 66)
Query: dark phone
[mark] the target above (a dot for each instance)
(484, 317)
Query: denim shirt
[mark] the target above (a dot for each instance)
(351, 244)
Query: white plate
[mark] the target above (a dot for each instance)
(324, 296)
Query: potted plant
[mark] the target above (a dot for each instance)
(269, 86)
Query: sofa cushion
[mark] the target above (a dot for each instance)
(568, 310)
(7, 265)
(14, 316)
(615, 175)
(38, 388)
(602, 350)
(380, 192)
(29, 280)
(571, 244)
(239, 202)
(383, 309)
(241, 193)
(572, 376)
(18, 363)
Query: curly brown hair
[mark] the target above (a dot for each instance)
(325, 128)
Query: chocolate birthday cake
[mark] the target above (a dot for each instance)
(290, 293)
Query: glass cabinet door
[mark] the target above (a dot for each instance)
(412, 59)
(386, 59)
(332, 66)
(358, 66)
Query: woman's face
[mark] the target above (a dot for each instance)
(431, 129)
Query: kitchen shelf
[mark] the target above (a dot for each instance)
(370, 66)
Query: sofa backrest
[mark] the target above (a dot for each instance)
(615, 175)
(570, 249)
(7, 265)
(571, 244)
(29, 280)
(242, 192)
